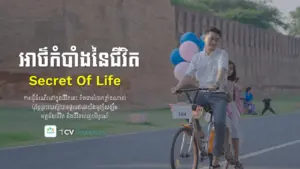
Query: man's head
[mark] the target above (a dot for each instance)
(211, 38)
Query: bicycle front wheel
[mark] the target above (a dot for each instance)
(184, 158)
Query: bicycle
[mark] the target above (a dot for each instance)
(201, 146)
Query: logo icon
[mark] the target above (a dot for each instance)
(50, 131)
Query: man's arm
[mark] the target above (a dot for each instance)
(187, 79)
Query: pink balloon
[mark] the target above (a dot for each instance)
(180, 70)
(187, 50)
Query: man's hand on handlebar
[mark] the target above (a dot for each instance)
(174, 90)
(213, 87)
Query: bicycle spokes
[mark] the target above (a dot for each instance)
(187, 141)
(182, 143)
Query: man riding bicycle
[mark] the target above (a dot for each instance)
(209, 67)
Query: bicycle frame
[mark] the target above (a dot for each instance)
(204, 146)
(193, 121)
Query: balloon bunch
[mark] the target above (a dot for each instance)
(181, 57)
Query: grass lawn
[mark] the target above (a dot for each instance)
(280, 105)
(23, 126)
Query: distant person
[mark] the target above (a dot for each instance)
(267, 106)
(248, 95)
(249, 101)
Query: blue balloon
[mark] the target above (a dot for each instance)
(175, 57)
(201, 44)
(188, 36)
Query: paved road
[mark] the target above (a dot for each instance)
(151, 150)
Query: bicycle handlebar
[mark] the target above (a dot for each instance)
(192, 89)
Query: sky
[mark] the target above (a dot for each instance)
(285, 6)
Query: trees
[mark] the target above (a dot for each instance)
(257, 13)
(294, 25)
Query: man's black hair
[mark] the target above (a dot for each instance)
(232, 77)
(214, 30)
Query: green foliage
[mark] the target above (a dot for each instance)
(193, 4)
(259, 13)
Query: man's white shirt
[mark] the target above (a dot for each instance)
(205, 68)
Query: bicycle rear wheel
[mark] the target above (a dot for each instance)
(187, 133)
